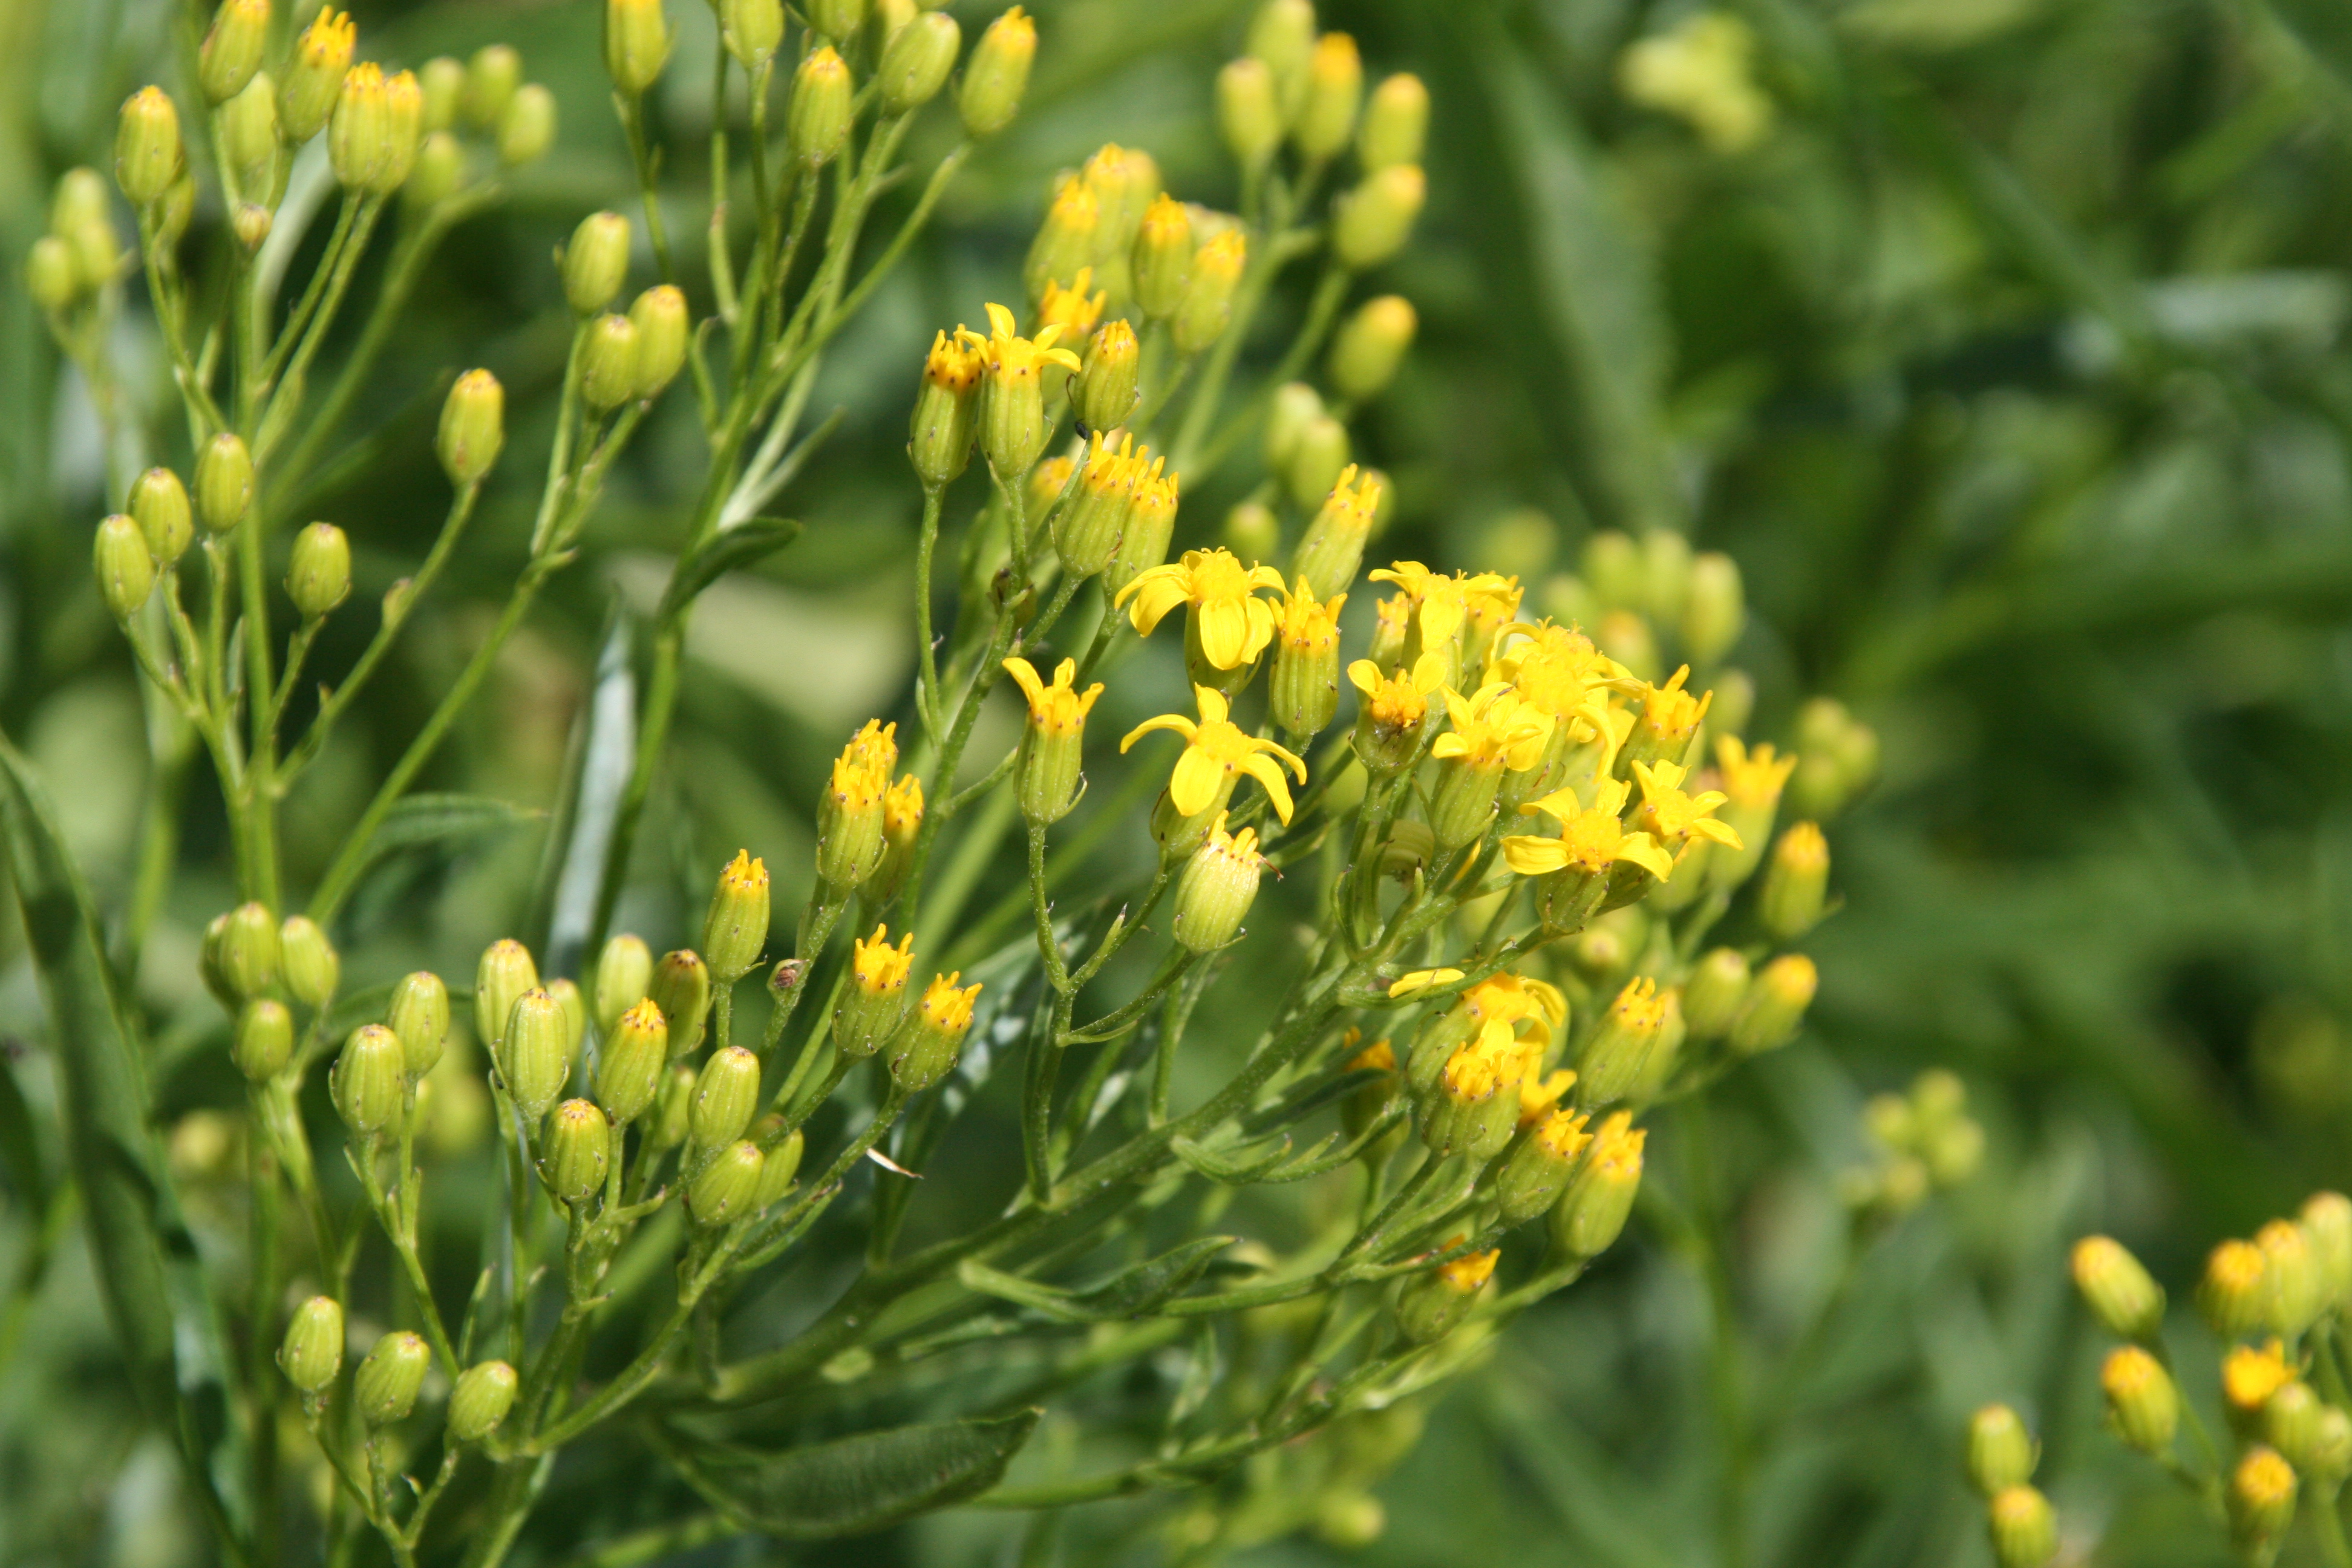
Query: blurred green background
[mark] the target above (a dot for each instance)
(2002, 343)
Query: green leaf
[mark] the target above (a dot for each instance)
(1135, 1292)
(20, 1148)
(750, 541)
(1219, 1165)
(854, 1484)
(429, 819)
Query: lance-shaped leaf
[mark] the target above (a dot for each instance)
(1133, 1292)
(854, 1485)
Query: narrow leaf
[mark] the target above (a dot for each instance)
(854, 1485)
(1219, 1165)
(747, 543)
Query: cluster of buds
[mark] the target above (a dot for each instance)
(2002, 1458)
(1921, 1142)
(385, 1385)
(73, 265)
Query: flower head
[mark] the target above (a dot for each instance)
(1494, 728)
(1058, 709)
(1014, 359)
(1218, 751)
(877, 966)
(1674, 817)
(956, 363)
(1751, 778)
(944, 1007)
(1418, 981)
(1071, 313)
(1234, 625)
(1539, 1094)
(902, 809)
(1562, 1133)
(1470, 1271)
(2249, 1376)
(1591, 839)
(1395, 702)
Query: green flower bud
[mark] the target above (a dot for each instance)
(2143, 1405)
(1208, 305)
(681, 989)
(126, 571)
(505, 973)
(637, 43)
(251, 223)
(780, 1158)
(874, 1003)
(485, 1392)
(595, 262)
(314, 75)
(1217, 888)
(997, 74)
(1591, 1213)
(926, 1048)
(1775, 1005)
(1305, 688)
(2259, 1498)
(1471, 1106)
(728, 1185)
(1143, 536)
(175, 210)
(1282, 34)
(2328, 1221)
(1712, 998)
(312, 1352)
(725, 1095)
(246, 955)
(533, 1056)
(2291, 1278)
(1252, 532)
(916, 62)
(1533, 1176)
(223, 482)
(1102, 394)
(80, 198)
(1068, 240)
(370, 1081)
(440, 170)
(1462, 802)
(2231, 1295)
(359, 135)
(1396, 123)
(736, 927)
(312, 965)
(385, 1386)
(1162, 260)
(1248, 117)
(2024, 1532)
(419, 1014)
(492, 77)
(1369, 223)
(1714, 609)
(442, 80)
(576, 1152)
(231, 51)
(1053, 741)
(836, 19)
(849, 813)
(147, 146)
(751, 29)
(1796, 881)
(97, 255)
(574, 1011)
(659, 316)
(403, 131)
(264, 1039)
(1431, 1304)
(624, 975)
(629, 1068)
(2289, 1421)
(50, 277)
(947, 409)
(2001, 1452)
(1370, 345)
(248, 131)
(608, 362)
(473, 427)
(527, 128)
(318, 575)
(1335, 91)
(673, 1110)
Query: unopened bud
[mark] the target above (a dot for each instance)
(478, 1403)
(1370, 345)
(2024, 1531)
(1218, 886)
(1069, 241)
(2143, 1405)
(1150, 522)
(440, 170)
(595, 262)
(916, 62)
(1207, 308)
(1369, 223)
(637, 43)
(1248, 117)
(608, 362)
(2001, 1452)
(1252, 532)
(725, 1095)
(1163, 258)
(2230, 1294)
(419, 1014)
(492, 77)
(1796, 882)
(849, 812)
(251, 223)
(780, 1158)
(250, 141)
(997, 74)
(223, 482)
(1538, 1170)
(385, 1387)
(625, 972)
(359, 136)
(533, 1055)
(681, 989)
(1592, 1212)
(1318, 457)
(314, 75)
(2291, 1420)
(751, 29)
(873, 1003)
(1335, 91)
(147, 146)
(1102, 394)
(927, 1046)
(50, 276)
(659, 317)
(2260, 1496)
(527, 128)
(1717, 987)
(1618, 1055)
(1431, 1304)
(247, 952)
(629, 1068)
(1304, 691)
(578, 1150)
(728, 1185)
(126, 571)
(473, 427)
(312, 1352)
(403, 131)
(2291, 1275)
(1714, 608)
(673, 1110)
(816, 122)
(370, 1081)
(231, 51)
(1396, 123)
(313, 968)
(836, 19)
(1332, 549)
(264, 1039)
(318, 574)
(1282, 34)
(2327, 1222)
(442, 80)
(1775, 1005)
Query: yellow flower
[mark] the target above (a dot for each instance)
(1510, 998)
(2249, 1376)
(945, 1008)
(1070, 312)
(1670, 715)
(1590, 841)
(902, 809)
(1396, 702)
(1562, 1133)
(1014, 359)
(1378, 1057)
(1669, 815)
(1234, 624)
(1418, 981)
(1217, 750)
(861, 774)
(877, 966)
(1309, 626)
(1056, 710)
(955, 363)
(1751, 778)
(1495, 728)
(1468, 1273)
(1442, 604)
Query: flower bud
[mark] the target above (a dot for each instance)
(873, 1003)
(1431, 1304)
(1252, 532)
(1370, 345)
(312, 1352)
(419, 1014)
(1248, 118)
(629, 1068)
(1335, 91)
(1219, 884)
(1775, 1005)
(147, 146)
(637, 43)
(728, 1185)
(440, 170)
(1053, 743)
(902, 821)
(1316, 459)
(595, 262)
(473, 427)
(1162, 261)
(246, 955)
(126, 571)
(386, 1384)
(403, 129)
(1536, 1171)
(927, 1046)
(231, 51)
(681, 989)
(2327, 1223)
(997, 74)
(264, 1039)
(608, 362)
(1332, 549)
(318, 574)
(532, 1056)
(2260, 1496)
(370, 1081)
(1396, 123)
(2143, 1405)
(2024, 1531)
(1619, 1053)
(1067, 241)
(360, 134)
(1207, 308)
(1304, 691)
(576, 1152)
(223, 482)
(575, 1009)
(505, 973)
(673, 1110)
(1795, 882)
(314, 75)
(816, 122)
(2001, 1452)
(1592, 1211)
(1717, 987)
(492, 77)
(1714, 609)
(485, 1392)
(1150, 521)
(849, 812)
(1282, 34)
(1102, 394)
(2289, 1421)
(2290, 1278)
(751, 29)
(916, 62)
(1369, 223)
(442, 80)
(527, 128)
(947, 407)
(250, 141)
(659, 315)
(736, 927)
(51, 277)
(836, 19)
(313, 968)
(625, 976)
(780, 1158)
(725, 1095)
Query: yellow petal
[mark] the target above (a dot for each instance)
(1530, 856)
(1278, 789)
(1297, 763)
(1723, 833)
(1024, 675)
(1449, 745)
(1176, 721)
(1153, 599)
(1212, 704)
(999, 322)
(1223, 631)
(1560, 805)
(1418, 981)
(1267, 577)
(1642, 850)
(1193, 786)
(1364, 676)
